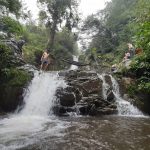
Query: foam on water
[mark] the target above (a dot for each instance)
(125, 108)
(35, 121)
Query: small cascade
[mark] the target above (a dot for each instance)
(74, 67)
(105, 86)
(124, 107)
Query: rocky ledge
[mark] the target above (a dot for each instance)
(83, 95)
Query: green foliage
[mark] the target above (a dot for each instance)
(12, 6)
(132, 89)
(141, 64)
(67, 40)
(36, 39)
(143, 10)
(144, 87)
(5, 56)
(112, 28)
(142, 36)
(9, 74)
(59, 12)
(10, 25)
(14, 77)
(64, 48)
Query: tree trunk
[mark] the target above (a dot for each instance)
(52, 36)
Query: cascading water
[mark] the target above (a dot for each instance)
(41, 94)
(124, 107)
(74, 67)
(105, 86)
(35, 121)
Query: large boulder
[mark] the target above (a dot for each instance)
(110, 96)
(10, 98)
(84, 95)
(67, 99)
(91, 86)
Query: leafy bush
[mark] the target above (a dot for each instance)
(14, 77)
(5, 56)
(10, 25)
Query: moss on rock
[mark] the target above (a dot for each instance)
(12, 83)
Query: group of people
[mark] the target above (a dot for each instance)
(128, 55)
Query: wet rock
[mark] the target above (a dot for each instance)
(67, 99)
(110, 96)
(10, 98)
(106, 111)
(84, 93)
(93, 110)
(71, 74)
(62, 110)
(126, 97)
(124, 83)
(108, 80)
(92, 86)
(59, 110)
(62, 73)
(83, 108)
(16, 46)
(86, 74)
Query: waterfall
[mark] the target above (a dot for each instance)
(74, 67)
(124, 107)
(40, 95)
(35, 121)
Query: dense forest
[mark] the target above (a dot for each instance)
(121, 22)
(109, 30)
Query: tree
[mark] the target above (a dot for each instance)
(111, 28)
(10, 26)
(56, 13)
(10, 6)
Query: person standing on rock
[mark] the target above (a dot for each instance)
(45, 60)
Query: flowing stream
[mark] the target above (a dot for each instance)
(35, 127)
(124, 107)
(74, 67)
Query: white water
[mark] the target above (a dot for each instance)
(74, 67)
(35, 121)
(124, 107)
(105, 86)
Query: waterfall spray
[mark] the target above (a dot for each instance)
(124, 107)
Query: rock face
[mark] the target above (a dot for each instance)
(83, 95)
(139, 99)
(13, 75)
(16, 48)
(10, 97)
(11, 91)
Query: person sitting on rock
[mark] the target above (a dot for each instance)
(45, 60)
(126, 57)
(114, 68)
(131, 50)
